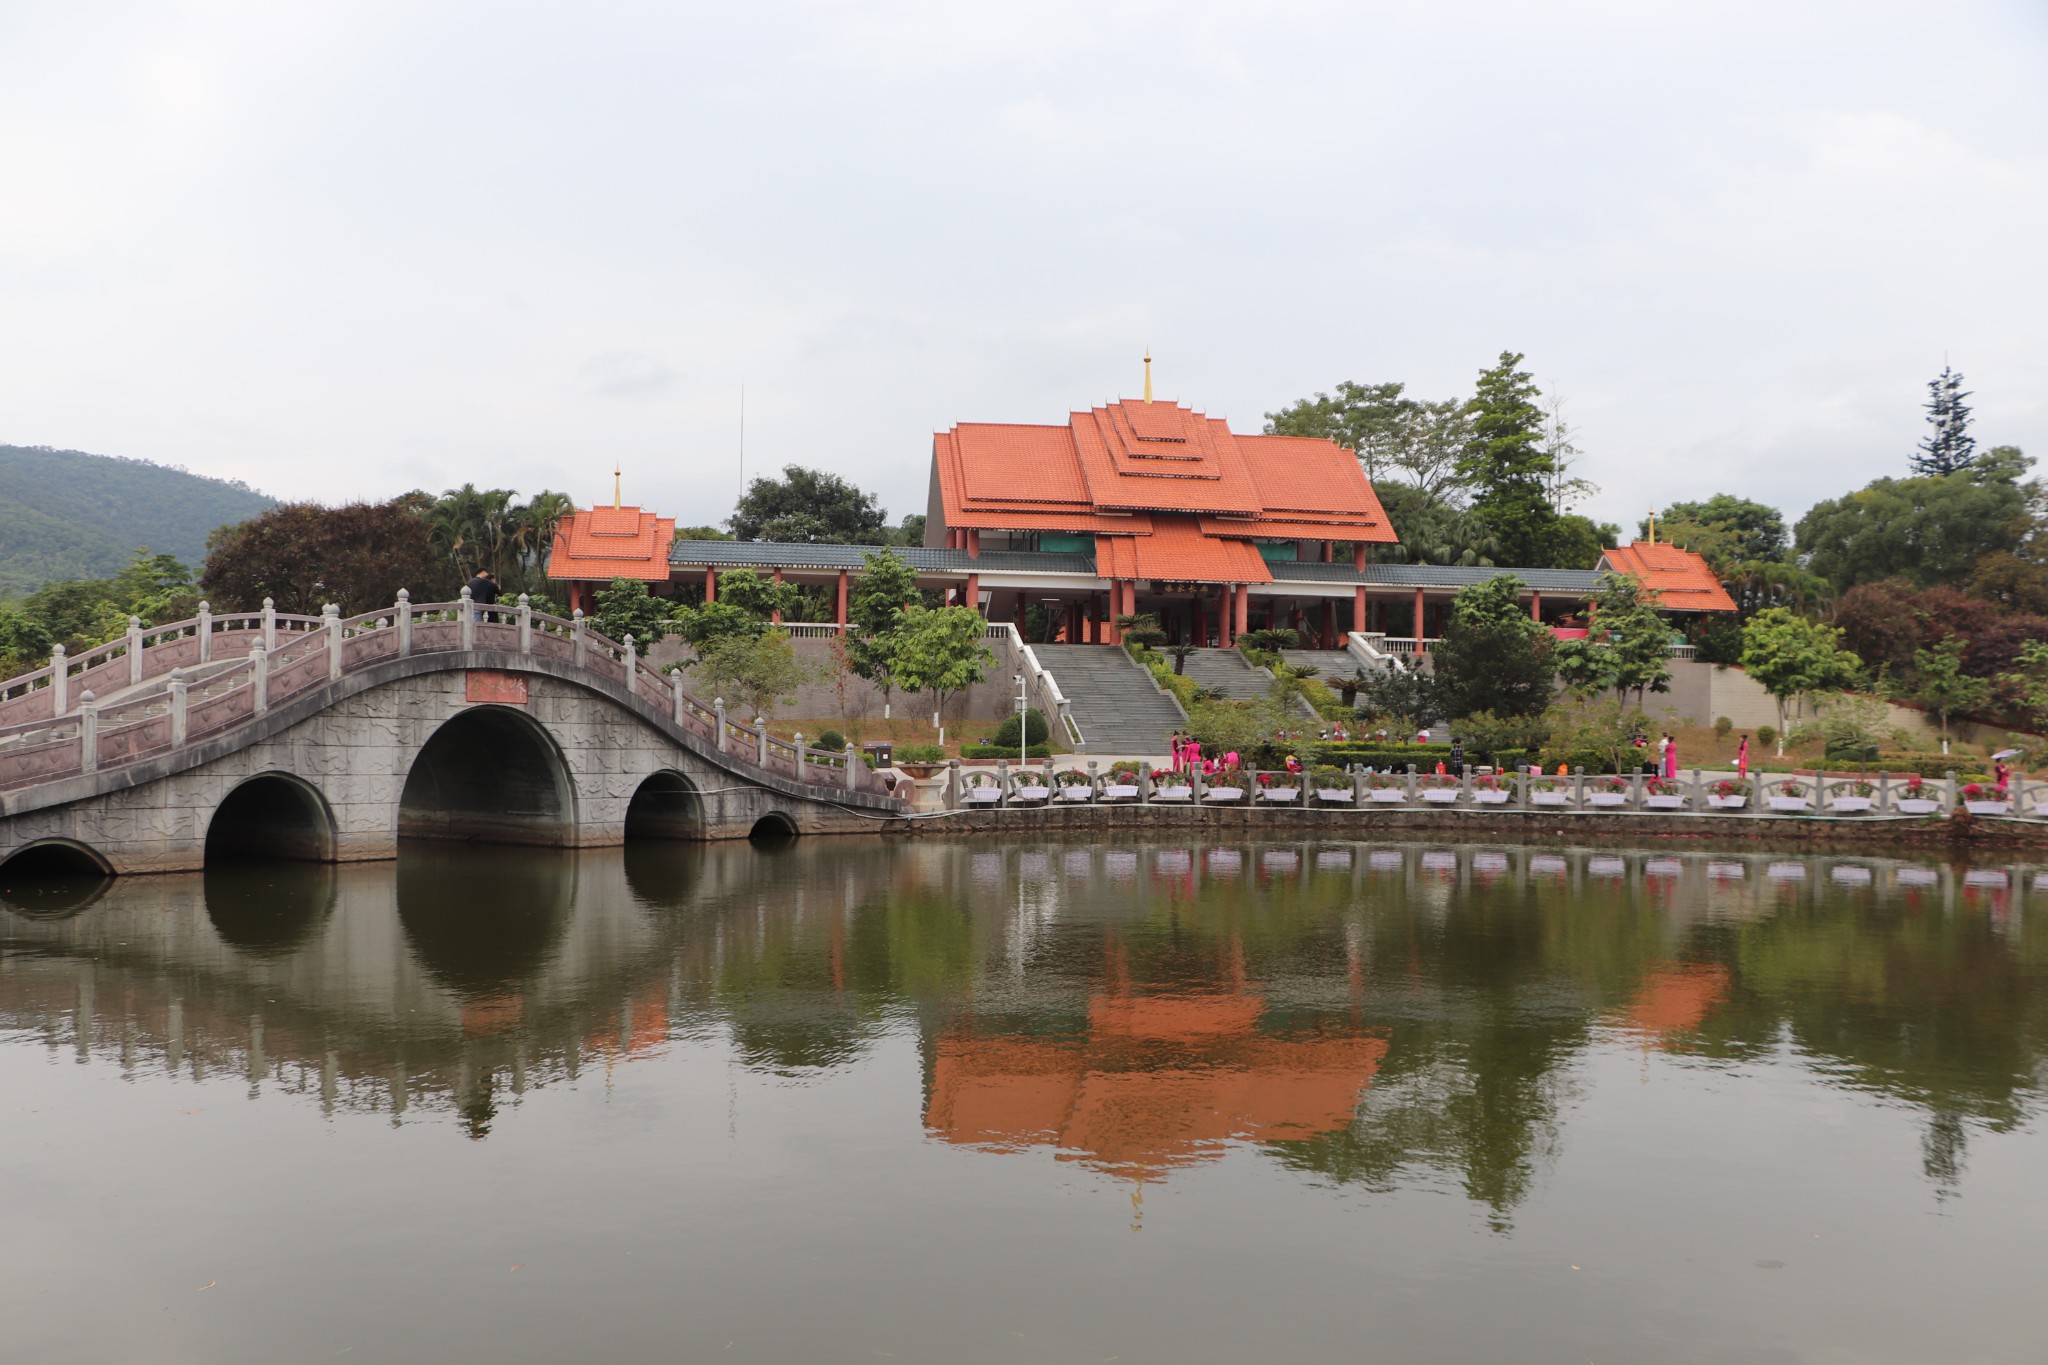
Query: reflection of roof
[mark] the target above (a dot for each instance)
(1676, 999)
(1681, 578)
(612, 542)
(1158, 1081)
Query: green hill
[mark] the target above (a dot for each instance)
(66, 514)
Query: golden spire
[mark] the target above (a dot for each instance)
(618, 493)
(1653, 526)
(1148, 374)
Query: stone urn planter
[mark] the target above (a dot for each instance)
(1388, 796)
(922, 770)
(1916, 805)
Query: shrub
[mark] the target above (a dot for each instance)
(832, 742)
(1766, 734)
(1722, 725)
(1326, 778)
(1032, 723)
(1003, 751)
(920, 753)
(1129, 767)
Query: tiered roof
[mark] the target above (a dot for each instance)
(1682, 579)
(1168, 492)
(603, 543)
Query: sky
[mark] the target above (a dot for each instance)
(342, 250)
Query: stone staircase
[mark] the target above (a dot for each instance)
(1112, 698)
(1329, 664)
(1227, 671)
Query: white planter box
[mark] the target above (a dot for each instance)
(1388, 796)
(1223, 795)
(1727, 802)
(1173, 793)
(1033, 793)
(1442, 796)
(1120, 791)
(1280, 796)
(1789, 804)
(1074, 793)
(1607, 798)
(1916, 805)
(1550, 798)
(1487, 798)
(1987, 807)
(1664, 802)
(1849, 805)
(983, 796)
(1334, 795)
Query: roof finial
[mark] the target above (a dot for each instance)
(1148, 374)
(618, 488)
(1653, 526)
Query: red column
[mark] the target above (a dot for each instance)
(1094, 618)
(710, 586)
(1358, 608)
(1111, 635)
(840, 614)
(974, 591)
(1358, 556)
(776, 616)
(1241, 611)
(974, 543)
(1021, 604)
(1329, 622)
(1536, 607)
(1418, 619)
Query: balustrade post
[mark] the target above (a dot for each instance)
(579, 635)
(1003, 781)
(852, 753)
(675, 693)
(269, 624)
(1884, 793)
(952, 784)
(259, 677)
(1094, 791)
(525, 623)
(799, 756)
(88, 732)
(205, 631)
(331, 623)
(177, 691)
(1635, 788)
(1579, 789)
(134, 650)
(1359, 786)
(467, 629)
(404, 622)
(717, 710)
(632, 661)
(760, 740)
(60, 679)
(1411, 767)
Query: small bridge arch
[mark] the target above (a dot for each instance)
(489, 774)
(271, 816)
(665, 805)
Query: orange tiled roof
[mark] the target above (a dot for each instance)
(1117, 469)
(1177, 549)
(1681, 579)
(603, 543)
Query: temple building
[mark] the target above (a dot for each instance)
(1134, 507)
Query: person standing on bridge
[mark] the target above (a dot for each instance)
(483, 590)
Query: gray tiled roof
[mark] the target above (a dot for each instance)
(770, 554)
(1578, 581)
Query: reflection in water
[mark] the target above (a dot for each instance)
(1375, 1018)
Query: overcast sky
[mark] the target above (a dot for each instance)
(343, 250)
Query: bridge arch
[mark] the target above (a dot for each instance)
(776, 827)
(271, 816)
(53, 878)
(490, 774)
(665, 806)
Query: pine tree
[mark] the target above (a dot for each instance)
(1949, 446)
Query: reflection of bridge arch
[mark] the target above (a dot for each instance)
(484, 926)
(263, 915)
(491, 774)
(273, 815)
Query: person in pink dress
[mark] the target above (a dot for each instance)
(1670, 756)
(1742, 758)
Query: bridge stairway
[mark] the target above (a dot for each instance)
(1113, 699)
(1228, 672)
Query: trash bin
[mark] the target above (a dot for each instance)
(880, 755)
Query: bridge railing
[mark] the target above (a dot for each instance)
(213, 673)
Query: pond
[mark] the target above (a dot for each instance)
(944, 1101)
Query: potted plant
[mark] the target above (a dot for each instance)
(1916, 798)
(1279, 788)
(1788, 796)
(1438, 789)
(1123, 782)
(921, 760)
(1224, 788)
(1168, 785)
(981, 788)
(1728, 794)
(1549, 791)
(1979, 799)
(1387, 789)
(1487, 790)
(1030, 784)
(1850, 798)
(1663, 793)
(1330, 784)
(1072, 785)
(1607, 791)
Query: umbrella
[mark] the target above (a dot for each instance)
(2006, 753)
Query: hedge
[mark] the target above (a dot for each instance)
(998, 751)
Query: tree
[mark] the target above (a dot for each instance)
(1560, 447)
(1925, 530)
(1790, 656)
(1724, 529)
(303, 556)
(759, 671)
(1492, 656)
(807, 506)
(1628, 646)
(1414, 441)
(1943, 687)
(25, 643)
(1407, 698)
(939, 650)
(1506, 465)
(2028, 682)
(627, 608)
(1948, 446)
(886, 585)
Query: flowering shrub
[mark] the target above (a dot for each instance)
(1661, 786)
(1436, 781)
(1237, 780)
(1070, 777)
(1617, 785)
(1977, 791)
(1167, 777)
(1791, 787)
(1915, 788)
(1486, 782)
(1330, 779)
(1729, 786)
(1127, 769)
(1546, 784)
(1380, 782)
(1862, 788)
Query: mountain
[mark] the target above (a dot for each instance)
(67, 514)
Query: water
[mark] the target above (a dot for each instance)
(853, 1101)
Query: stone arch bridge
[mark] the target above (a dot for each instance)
(328, 739)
